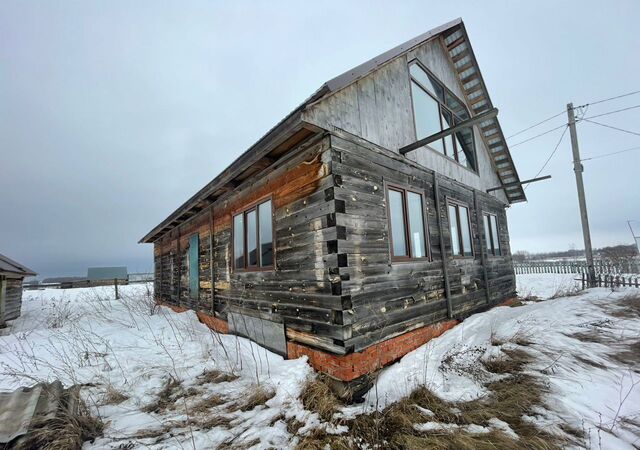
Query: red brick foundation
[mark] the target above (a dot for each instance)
(212, 322)
(354, 365)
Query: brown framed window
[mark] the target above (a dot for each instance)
(435, 109)
(460, 228)
(408, 236)
(253, 238)
(491, 234)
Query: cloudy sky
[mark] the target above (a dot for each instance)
(114, 113)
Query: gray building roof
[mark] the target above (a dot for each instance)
(9, 266)
(106, 273)
(459, 49)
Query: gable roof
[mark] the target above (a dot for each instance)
(459, 49)
(8, 265)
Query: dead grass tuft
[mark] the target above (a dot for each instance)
(629, 356)
(165, 398)
(626, 308)
(66, 431)
(513, 361)
(259, 395)
(509, 400)
(318, 397)
(204, 405)
(112, 396)
(216, 376)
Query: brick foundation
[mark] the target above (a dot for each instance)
(354, 365)
(212, 322)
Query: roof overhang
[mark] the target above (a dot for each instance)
(276, 143)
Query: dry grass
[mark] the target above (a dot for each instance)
(165, 398)
(63, 432)
(511, 398)
(258, 395)
(629, 356)
(626, 308)
(206, 404)
(216, 376)
(112, 396)
(318, 397)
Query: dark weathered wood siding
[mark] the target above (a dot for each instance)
(299, 291)
(389, 298)
(334, 285)
(13, 298)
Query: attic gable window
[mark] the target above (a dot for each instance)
(435, 109)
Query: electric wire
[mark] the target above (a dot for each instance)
(612, 112)
(537, 136)
(611, 127)
(609, 99)
(611, 154)
(536, 124)
(566, 127)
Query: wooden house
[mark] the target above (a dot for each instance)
(364, 223)
(11, 276)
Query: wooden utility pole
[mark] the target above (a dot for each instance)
(578, 169)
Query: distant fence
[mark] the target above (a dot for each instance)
(612, 280)
(602, 267)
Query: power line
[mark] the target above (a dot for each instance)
(538, 135)
(612, 112)
(609, 99)
(552, 153)
(611, 154)
(612, 127)
(536, 124)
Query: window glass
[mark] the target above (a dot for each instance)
(453, 226)
(416, 225)
(238, 241)
(427, 116)
(252, 241)
(464, 139)
(427, 81)
(494, 233)
(266, 234)
(466, 232)
(447, 122)
(398, 232)
(487, 233)
(194, 266)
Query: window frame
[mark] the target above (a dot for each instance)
(253, 206)
(403, 189)
(489, 238)
(442, 105)
(458, 204)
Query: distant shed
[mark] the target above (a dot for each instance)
(107, 273)
(11, 276)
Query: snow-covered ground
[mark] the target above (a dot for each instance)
(129, 347)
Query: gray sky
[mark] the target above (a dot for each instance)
(114, 113)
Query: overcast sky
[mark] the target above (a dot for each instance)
(114, 113)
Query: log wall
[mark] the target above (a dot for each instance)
(334, 286)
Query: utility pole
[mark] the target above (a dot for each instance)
(578, 169)
(636, 239)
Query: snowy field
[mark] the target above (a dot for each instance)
(159, 379)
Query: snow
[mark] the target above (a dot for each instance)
(86, 336)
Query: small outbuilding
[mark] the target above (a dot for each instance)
(12, 275)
